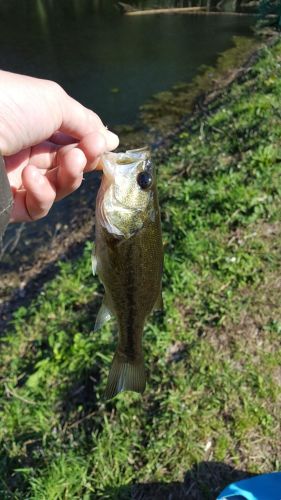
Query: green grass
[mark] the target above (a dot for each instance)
(211, 410)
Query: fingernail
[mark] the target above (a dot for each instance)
(112, 140)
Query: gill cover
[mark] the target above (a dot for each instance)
(126, 193)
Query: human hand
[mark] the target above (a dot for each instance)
(48, 141)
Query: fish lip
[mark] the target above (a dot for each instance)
(110, 158)
(140, 152)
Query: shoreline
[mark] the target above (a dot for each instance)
(176, 10)
(188, 11)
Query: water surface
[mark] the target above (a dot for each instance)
(110, 62)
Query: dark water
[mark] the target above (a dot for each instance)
(111, 63)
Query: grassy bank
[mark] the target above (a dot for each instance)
(211, 411)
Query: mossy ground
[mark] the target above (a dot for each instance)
(211, 410)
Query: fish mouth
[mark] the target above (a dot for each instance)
(124, 161)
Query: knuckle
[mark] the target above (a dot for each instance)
(55, 87)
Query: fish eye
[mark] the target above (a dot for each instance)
(144, 180)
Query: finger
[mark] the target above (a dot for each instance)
(19, 211)
(17, 161)
(68, 176)
(62, 139)
(38, 197)
(47, 155)
(44, 155)
(79, 121)
(93, 146)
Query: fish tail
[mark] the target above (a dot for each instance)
(125, 376)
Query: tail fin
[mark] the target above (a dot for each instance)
(125, 376)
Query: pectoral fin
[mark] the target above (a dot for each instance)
(94, 262)
(159, 306)
(103, 316)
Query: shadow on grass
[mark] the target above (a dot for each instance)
(203, 482)
(35, 285)
(79, 406)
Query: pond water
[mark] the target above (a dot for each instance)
(110, 62)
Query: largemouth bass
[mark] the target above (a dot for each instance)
(128, 259)
(6, 199)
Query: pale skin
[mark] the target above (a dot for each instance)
(48, 140)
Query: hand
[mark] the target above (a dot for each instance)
(48, 141)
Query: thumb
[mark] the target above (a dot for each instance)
(79, 121)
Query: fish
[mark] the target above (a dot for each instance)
(128, 259)
(6, 199)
